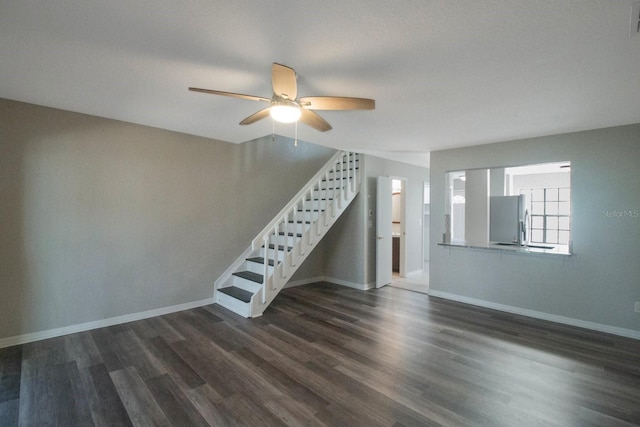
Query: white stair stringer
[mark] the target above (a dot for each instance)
(289, 238)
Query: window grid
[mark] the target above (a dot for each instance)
(549, 215)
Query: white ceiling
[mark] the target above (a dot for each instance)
(445, 73)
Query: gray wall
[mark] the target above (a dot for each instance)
(601, 280)
(101, 218)
(344, 250)
(350, 246)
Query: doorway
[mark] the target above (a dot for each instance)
(418, 281)
(390, 230)
(398, 233)
(383, 232)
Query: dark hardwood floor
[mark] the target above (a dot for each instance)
(326, 355)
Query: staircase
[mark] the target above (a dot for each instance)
(249, 285)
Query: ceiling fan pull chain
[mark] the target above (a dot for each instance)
(273, 130)
(295, 142)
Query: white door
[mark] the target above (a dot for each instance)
(383, 232)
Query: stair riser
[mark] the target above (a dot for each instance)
(283, 240)
(345, 168)
(348, 164)
(335, 180)
(254, 267)
(245, 284)
(331, 185)
(321, 194)
(334, 183)
(345, 174)
(235, 305)
(307, 216)
(297, 228)
(271, 254)
(316, 204)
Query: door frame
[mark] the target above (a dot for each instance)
(403, 224)
(384, 230)
(425, 236)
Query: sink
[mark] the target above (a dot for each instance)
(525, 246)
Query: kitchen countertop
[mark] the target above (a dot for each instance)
(507, 248)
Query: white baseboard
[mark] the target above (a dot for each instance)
(629, 333)
(294, 283)
(52, 333)
(359, 286)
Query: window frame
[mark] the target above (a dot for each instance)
(546, 215)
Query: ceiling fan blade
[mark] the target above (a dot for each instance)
(256, 116)
(231, 94)
(336, 103)
(284, 82)
(312, 119)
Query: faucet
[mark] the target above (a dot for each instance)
(522, 229)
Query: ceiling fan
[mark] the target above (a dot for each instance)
(286, 107)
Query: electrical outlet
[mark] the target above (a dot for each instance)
(637, 307)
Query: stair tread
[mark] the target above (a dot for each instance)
(260, 260)
(237, 293)
(254, 277)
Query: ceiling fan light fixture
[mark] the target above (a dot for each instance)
(285, 111)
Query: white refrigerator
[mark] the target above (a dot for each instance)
(508, 219)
